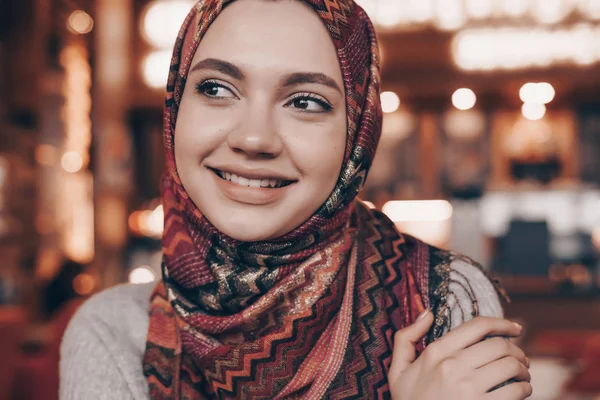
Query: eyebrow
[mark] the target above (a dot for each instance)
(294, 79)
(311, 77)
(224, 67)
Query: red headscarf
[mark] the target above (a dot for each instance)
(308, 315)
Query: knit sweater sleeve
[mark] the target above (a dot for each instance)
(88, 369)
(471, 293)
(103, 346)
(460, 290)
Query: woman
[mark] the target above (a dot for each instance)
(277, 282)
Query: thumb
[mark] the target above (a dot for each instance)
(405, 343)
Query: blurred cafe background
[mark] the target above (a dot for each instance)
(491, 147)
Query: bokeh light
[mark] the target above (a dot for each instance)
(533, 111)
(80, 22)
(71, 161)
(464, 99)
(390, 102)
(140, 275)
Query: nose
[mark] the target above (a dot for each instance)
(256, 135)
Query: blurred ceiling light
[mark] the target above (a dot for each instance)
(449, 14)
(537, 93)
(454, 14)
(162, 19)
(591, 8)
(464, 99)
(546, 92)
(418, 210)
(390, 102)
(533, 111)
(479, 9)
(80, 22)
(140, 275)
(84, 284)
(389, 14)
(420, 11)
(155, 68)
(45, 154)
(514, 48)
(550, 11)
(71, 161)
(514, 8)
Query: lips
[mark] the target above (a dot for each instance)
(254, 181)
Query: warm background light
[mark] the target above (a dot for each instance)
(487, 49)
(533, 111)
(418, 210)
(428, 220)
(155, 68)
(369, 204)
(140, 275)
(71, 161)
(80, 22)
(46, 154)
(390, 102)
(537, 93)
(464, 99)
(162, 19)
(84, 284)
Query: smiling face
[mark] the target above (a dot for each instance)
(261, 129)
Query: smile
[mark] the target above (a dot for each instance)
(252, 182)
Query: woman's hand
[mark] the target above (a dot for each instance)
(461, 365)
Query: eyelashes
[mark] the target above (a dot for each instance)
(303, 102)
(212, 88)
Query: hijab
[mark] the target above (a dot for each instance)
(308, 315)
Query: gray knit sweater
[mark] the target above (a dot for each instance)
(103, 347)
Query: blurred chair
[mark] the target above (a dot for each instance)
(525, 250)
(37, 374)
(12, 327)
(582, 347)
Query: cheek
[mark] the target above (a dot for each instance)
(199, 131)
(318, 150)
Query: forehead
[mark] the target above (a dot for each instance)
(271, 35)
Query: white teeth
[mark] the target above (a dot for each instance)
(254, 183)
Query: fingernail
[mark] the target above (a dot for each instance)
(423, 314)
(527, 362)
(518, 326)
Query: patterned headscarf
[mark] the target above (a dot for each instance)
(310, 314)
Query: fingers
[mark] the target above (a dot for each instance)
(471, 333)
(500, 371)
(489, 350)
(405, 341)
(513, 391)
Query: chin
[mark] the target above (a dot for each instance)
(247, 229)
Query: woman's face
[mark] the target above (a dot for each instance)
(261, 129)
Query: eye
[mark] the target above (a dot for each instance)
(214, 89)
(309, 102)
